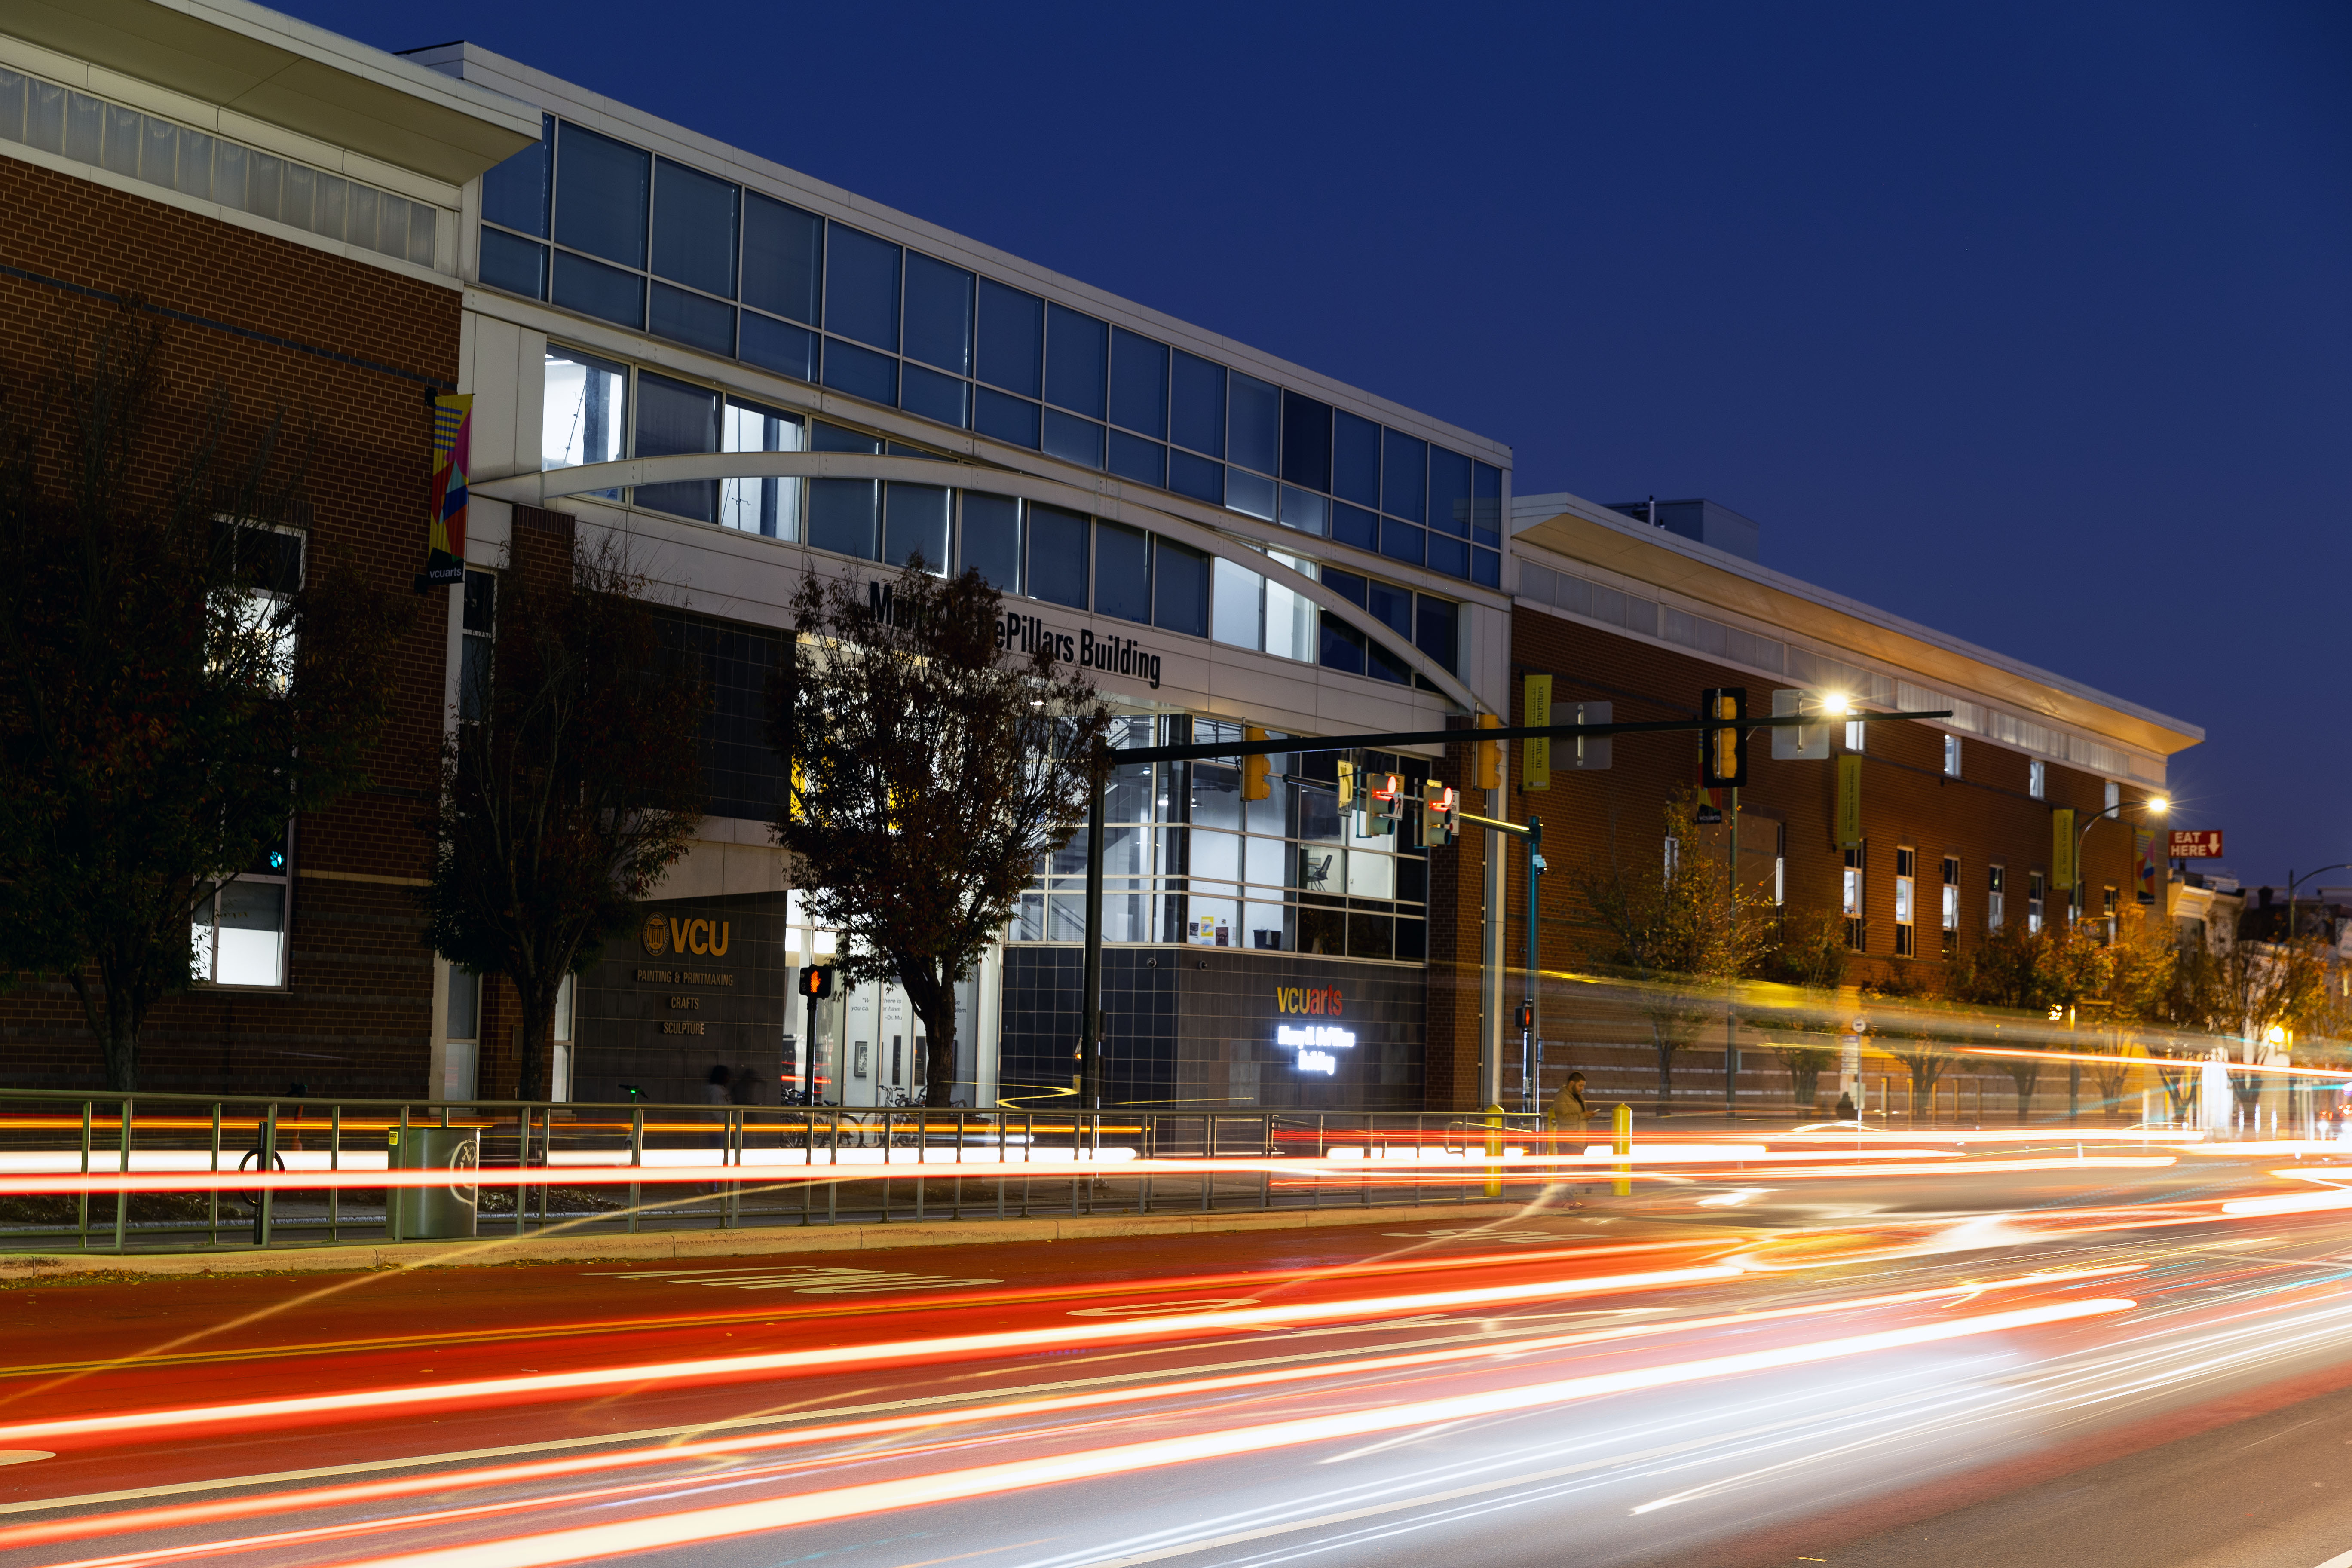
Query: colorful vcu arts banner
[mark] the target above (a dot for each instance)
(453, 432)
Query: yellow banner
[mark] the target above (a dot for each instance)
(2062, 850)
(1537, 704)
(1849, 801)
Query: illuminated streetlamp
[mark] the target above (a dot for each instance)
(2156, 806)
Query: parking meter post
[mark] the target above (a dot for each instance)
(261, 1211)
(1623, 1148)
(211, 1199)
(334, 1162)
(122, 1166)
(636, 1158)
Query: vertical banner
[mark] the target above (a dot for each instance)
(445, 535)
(1538, 710)
(1848, 833)
(2061, 852)
(2143, 863)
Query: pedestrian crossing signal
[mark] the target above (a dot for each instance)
(817, 980)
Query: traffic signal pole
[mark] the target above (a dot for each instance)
(1090, 1043)
(1090, 1025)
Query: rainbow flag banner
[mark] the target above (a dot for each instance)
(452, 431)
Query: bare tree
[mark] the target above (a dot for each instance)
(182, 673)
(569, 794)
(931, 769)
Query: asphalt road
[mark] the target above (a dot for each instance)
(2022, 1360)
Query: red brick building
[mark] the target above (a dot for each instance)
(283, 204)
(1959, 818)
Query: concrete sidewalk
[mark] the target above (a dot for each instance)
(740, 1242)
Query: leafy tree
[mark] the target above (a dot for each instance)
(931, 770)
(1810, 952)
(2050, 971)
(176, 681)
(1912, 1033)
(563, 802)
(1683, 935)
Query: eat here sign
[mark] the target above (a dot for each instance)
(2196, 844)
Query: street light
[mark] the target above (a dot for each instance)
(2155, 805)
(2292, 881)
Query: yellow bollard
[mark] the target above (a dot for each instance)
(1625, 1130)
(1495, 1150)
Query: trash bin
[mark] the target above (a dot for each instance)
(437, 1213)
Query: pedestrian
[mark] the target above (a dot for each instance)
(1564, 1121)
(1846, 1112)
(1566, 1113)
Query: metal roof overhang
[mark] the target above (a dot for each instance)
(288, 73)
(1632, 553)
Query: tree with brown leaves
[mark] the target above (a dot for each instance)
(931, 769)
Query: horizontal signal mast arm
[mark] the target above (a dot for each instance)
(1461, 737)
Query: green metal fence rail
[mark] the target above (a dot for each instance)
(546, 1168)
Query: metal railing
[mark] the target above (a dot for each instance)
(111, 1172)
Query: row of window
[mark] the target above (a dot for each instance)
(212, 168)
(1906, 901)
(663, 248)
(1187, 861)
(1043, 553)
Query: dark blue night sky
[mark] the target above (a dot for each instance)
(2030, 322)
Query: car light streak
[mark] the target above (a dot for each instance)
(2291, 1202)
(1061, 1336)
(699, 1526)
(871, 1165)
(182, 1515)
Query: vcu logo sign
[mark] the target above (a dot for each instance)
(1312, 1001)
(701, 938)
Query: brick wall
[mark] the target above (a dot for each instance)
(343, 352)
(1592, 819)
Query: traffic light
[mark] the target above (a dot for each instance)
(1439, 823)
(1489, 773)
(1347, 786)
(817, 980)
(1381, 814)
(1253, 768)
(1725, 750)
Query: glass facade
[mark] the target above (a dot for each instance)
(1186, 860)
(596, 410)
(611, 231)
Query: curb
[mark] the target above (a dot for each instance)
(488, 1252)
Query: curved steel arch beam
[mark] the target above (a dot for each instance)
(1106, 500)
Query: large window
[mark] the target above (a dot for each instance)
(238, 935)
(1187, 861)
(611, 231)
(1905, 901)
(597, 410)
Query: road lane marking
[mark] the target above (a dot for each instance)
(799, 1278)
(24, 1456)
